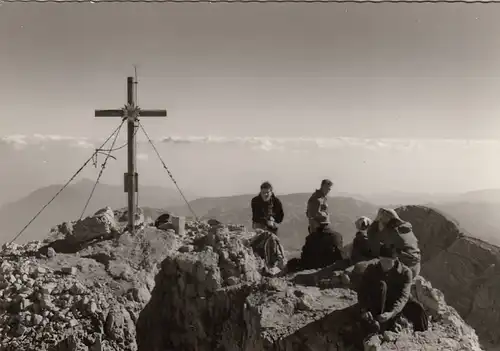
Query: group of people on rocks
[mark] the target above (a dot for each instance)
(384, 254)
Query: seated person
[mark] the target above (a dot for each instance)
(322, 248)
(384, 291)
(390, 230)
(267, 209)
(360, 245)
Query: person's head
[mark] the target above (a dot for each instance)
(266, 191)
(384, 216)
(387, 257)
(326, 186)
(362, 223)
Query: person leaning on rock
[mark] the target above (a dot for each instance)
(267, 209)
(317, 205)
(390, 230)
(384, 292)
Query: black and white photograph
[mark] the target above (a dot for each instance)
(250, 175)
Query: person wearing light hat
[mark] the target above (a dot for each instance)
(390, 230)
(360, 245)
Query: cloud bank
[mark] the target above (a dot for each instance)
(20, 142)
(305, 143)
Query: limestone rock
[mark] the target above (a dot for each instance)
(214, 297)
(101, 224)
(83, 300)
(204, 290)
(463, 268)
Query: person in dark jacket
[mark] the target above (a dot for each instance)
(322, 248)
(390, 230)
(360, 244)
(317, 205)
(267, 209)
(384, 291)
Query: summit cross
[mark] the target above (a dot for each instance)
(131, 112)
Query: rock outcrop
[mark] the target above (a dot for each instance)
(464, 268)
(157, 290)
(214, 297)
(61, 296)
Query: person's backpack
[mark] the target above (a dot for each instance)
(267, 245)
(415, 312)
(162, 219)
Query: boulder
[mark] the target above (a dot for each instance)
(215, 297)
(464, 268)
(101, 224)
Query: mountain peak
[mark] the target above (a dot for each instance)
(92, 286)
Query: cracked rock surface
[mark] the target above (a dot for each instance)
(157, 291)
(464, 268)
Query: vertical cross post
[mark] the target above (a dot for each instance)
(131, 168)
(131, 112)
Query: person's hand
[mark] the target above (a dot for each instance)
(384, 317)
(366, 315)
(272, 224)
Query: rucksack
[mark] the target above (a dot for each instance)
(267, 245)
(162, 219)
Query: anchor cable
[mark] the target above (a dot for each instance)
(103, 166)
(168, 171)
(65, 185)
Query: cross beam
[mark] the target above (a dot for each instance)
(131, 112)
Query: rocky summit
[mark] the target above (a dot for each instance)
(464, 268)
(91, 286)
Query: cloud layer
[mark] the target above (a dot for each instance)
(20, 141)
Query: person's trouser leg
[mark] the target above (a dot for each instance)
(376, 306)
(379, 301)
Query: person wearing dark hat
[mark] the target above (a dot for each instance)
(384, 291)
(267, 209)
(317, 205)
(390, 230)
(322, 248)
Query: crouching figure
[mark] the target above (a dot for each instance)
(384, 292)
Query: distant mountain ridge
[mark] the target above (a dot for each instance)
(478, 218)
(475, 211)
(70, 203)
(293, 230)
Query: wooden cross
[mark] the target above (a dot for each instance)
(131, 112)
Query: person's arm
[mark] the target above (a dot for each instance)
(404, 294)
(280, 214)
(313, 206)
(255, 211)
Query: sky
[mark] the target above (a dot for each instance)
(377, 97)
